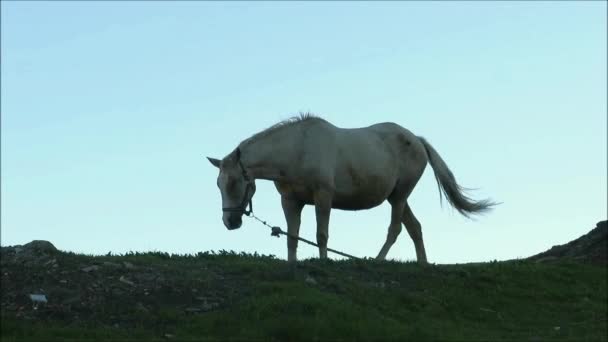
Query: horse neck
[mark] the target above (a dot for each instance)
(269, 156)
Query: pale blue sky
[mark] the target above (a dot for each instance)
(109, 108)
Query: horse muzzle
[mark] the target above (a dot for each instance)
(233, 222)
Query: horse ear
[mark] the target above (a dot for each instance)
(215, 162)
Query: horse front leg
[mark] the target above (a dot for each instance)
(292, 208)
(323, 201)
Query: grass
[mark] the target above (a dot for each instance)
(262, 298)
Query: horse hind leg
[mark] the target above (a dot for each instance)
(394, 228)
(415, 230)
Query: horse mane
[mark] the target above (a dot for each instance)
(301, 117)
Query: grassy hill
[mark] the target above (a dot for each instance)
(222, 296)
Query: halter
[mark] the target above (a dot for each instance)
(242, 208)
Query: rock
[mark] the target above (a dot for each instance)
(90, 268)
(117, 292)
(38, 298)
(140, 307)
(150, 277)
(310, 280)
(40, 246)
(111, 264)
(209, 306)
(129, 265)
(52, 262)
(126, 281)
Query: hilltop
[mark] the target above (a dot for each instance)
(558, 294)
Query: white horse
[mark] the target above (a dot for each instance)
(314, 162)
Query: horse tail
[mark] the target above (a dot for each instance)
(447, 185)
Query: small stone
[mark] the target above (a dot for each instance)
(126, 281)
(90, 268)
(169, 336)
(63, 281)
(556, 328)
(128, 265)
(193, 310)
(310, 280)
(38, 298)
(140, 307)
(52, 261)
(117, 292)
(209, 306)
(111, 264)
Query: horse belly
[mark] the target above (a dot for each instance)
(365, 173)
(372, 193)
(357, 198)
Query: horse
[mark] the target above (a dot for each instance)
(313, 162)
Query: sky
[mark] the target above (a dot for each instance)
(109, 109)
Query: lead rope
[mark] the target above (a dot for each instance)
(277, 231)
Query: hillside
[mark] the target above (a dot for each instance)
(218, 296)
(589, 248)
